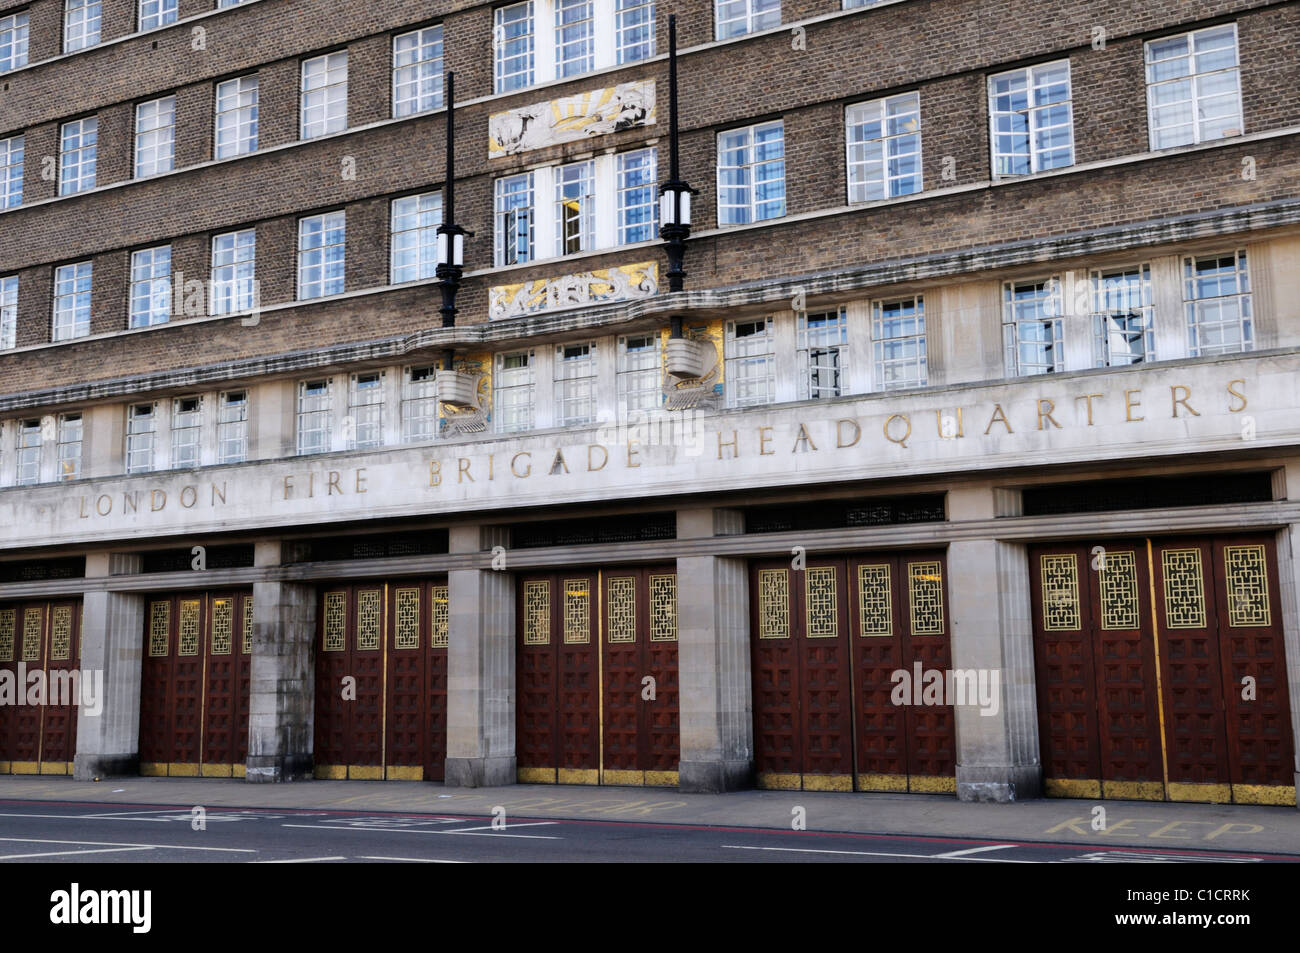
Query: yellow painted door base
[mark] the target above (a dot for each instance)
(1183, 792)
(535, 775)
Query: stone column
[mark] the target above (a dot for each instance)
(112, 637)
(1288, 572)
(716, 702)
(282, 705)
(988, 597)
(480, 666)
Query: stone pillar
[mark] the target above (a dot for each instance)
(112, 637)
(716, 702)
(988, 597)
(1288, 573)
(282, 705)
(480, 666)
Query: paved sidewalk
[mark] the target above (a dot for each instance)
(1148, 826)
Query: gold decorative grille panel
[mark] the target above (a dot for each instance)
(821, 599)
(622, 609)
(1060, 576)
(61, 633)
(8, 618)
(577, 612)
(335, 621)
(925, 597)
(663, 608)
(875, 610)
(537, 613)
(160, 620)
(773, 604)
(438, 621)
(1119, 591)
(368, 607)
(407, 608)
(223, 626)
(247, 646)
(1184, 588)
(32, 635)
(188, 640)
(1247, 575)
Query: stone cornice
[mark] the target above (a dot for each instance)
(1252, 516)
(605, 319)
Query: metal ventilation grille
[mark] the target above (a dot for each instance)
(431, 542)
(33, 570)
(840, 514)
(182, 560)
(625, 528)
(1154, 493)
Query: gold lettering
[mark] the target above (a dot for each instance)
(939, 420)
(802, 437)
(435, 473)
(631, 453)
(763, 440)
(1129, 404)
(359, 483)
(333, 484)
(515, 459)
(839, 433)
(604, 457)
(998, 414)
(1089, 399)
(1237, 394)
(288, 485)
(901, 441)
(558, 463)
(1046, 414)
(100, 509)
(491, 474)
(84, 515)
(311, 484)
(154, 503)
(193, 491)
(131, 502)
(219, 493)
(1176, 400)
(462, 464)
(735, 452)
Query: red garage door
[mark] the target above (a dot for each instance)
(597, 677)
(828, 641)
(381, 681)
(38, 724)
(194, 693)
(1180, 697)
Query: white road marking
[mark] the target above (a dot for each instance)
(416, 860)
(100, 843)
(74, 853)
(96, 817)
(299, 860)
(407, 830)
(156, 810)
(974, 850)
(466, 830)
(871, 853)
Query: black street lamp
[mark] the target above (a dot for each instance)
(675, 194)
(451, 237)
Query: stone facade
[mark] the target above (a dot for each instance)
(972, 428)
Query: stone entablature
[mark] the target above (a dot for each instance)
(1242, 403)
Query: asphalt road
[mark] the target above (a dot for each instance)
(54, 832)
